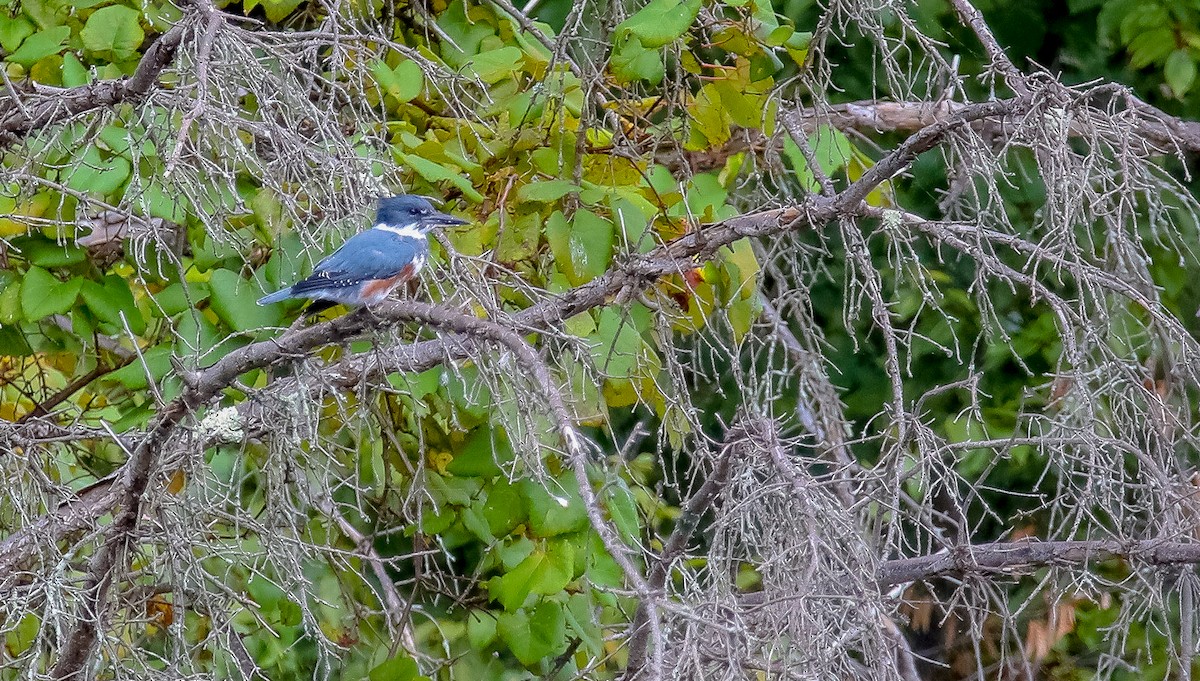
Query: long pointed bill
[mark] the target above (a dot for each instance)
(444, 220)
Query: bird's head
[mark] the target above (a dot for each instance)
(409, 211)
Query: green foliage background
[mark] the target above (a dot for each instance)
(529, 591)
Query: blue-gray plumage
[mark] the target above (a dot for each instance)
(371, 264)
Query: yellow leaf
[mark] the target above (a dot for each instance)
(175, 486)
(439, 459)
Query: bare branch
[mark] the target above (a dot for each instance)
(1021, 557)
(1168, 134)
(921, 141)
(52, 105)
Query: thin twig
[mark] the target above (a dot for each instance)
(974, 20)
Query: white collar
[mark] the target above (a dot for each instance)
(404, 230)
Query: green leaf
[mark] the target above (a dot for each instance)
(160, 203)
(437, 523)
(290, 613)
(798, 44)
(520, 240)
(114, 31)
(558, 236)
(551, 160)
(133, 376)
(512, 550)
(46, 253)
(581, 616)
(1151, 47)
(553, 514)
(39, 45)
(534, 637)
(44, 13)
(465, 34)
(632, 215)
(602, 570)
(74, 73)
(481, 629)
(632, 62)
(623, 510)
(526, 107)
(1180, 72)
(81, 321)
(14, 29)
(468, 395)
(495, 65)
(435, 172)
(545, 191)
(743, 268)
(710, 116)
(660, 22)
(619, 345)
(91, 173)
(474, 522)
(174, 298)
(117, 140)
(396, 669)
(43, 295)
(503, 510)
(406, 82)
(10, 299)
(110, 299)
(268, 209)
(804, 175)
(23, 635)
(233, 301)
(481, 453)
(778, 36)
(832, 149)
(542, 572)
(746, 106)
(583, 248)
(419, 385)
(451, 490)
(617, 350)
(278, 10)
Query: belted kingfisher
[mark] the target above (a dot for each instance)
(372, 263)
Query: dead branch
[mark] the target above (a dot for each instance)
(1168, 134)
(685, 528)
(1016, 558)
(49, 106)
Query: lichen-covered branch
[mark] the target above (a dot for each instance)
(48, 106)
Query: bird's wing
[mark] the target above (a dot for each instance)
(373, 254)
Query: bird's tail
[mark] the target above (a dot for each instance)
(275, 297)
